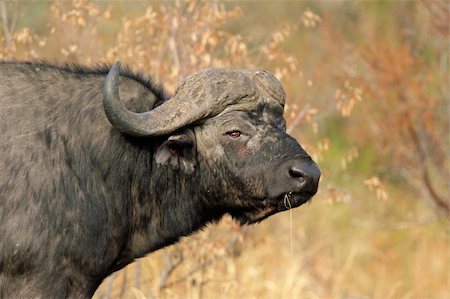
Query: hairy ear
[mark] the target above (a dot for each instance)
(178, 151)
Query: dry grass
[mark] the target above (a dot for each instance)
(368, 97)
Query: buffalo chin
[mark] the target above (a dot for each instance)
(279, 204)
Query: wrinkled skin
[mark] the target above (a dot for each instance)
(254, 192)
(82, 194)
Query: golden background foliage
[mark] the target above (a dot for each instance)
(368, 97)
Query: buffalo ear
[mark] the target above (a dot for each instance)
(178, 151)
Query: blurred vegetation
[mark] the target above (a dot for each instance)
(368, 97)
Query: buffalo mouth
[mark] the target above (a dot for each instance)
(260, 210)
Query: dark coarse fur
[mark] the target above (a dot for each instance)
(80, 200)
(74, 191)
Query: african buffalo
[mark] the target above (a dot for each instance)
(94, 174)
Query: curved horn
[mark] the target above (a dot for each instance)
(201, 95)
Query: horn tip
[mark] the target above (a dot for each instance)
(116, 65)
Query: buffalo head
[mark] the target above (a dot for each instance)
(227, 128)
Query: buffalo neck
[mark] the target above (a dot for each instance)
(163, 203)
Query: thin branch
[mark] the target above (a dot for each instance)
(108, 290)
(300, 115)
(124, 283)
(5, 23)
(173, 45)
(231, 244)
(12, 26)
(170, 265)
(137, 274)
(437, 198)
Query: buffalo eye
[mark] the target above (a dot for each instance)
(234, 134)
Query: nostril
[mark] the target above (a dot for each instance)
(296, 173)
(305, 177)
